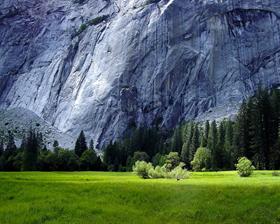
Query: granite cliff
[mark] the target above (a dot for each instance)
(104, 65)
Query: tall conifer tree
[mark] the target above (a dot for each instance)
(205, 134)
(212, 144)
(194, 144)
(31, 151)
(81, 144)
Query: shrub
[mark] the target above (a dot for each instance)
(179, 172)
(201, 159)
(244, 167)
(83, 27)
(276, 174)
(97, 20)
(141, 168)
(172, 160)
(146, 171)
(158, 172)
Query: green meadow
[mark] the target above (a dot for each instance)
(104, 197)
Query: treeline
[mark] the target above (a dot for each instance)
(215, 145)
(33, 155)
(254, 134)
(142, 144)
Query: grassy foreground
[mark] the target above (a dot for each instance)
(97, 197)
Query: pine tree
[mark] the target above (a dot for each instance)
(194, 144)
(31, 152)
(221, 146)
(23, 143)
(11, 147)
(40, 140)
(184, 132)
(275, 114)
(185, 152)
(275, 154)
(1, 147)
(266, 119)
(176, 143)
(55, 144)
(99, 164)
(9, 154)
(91, 145)
(212, 144)
(205, 134)
(259, 126)
(81, 144)
(241, 139)
(228, 146)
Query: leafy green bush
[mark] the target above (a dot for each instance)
(172, 160)
(158, 172)
(201, 159)
(244, 167)
(146, 171)
(179, 172)
(276, 174)
(141, 168)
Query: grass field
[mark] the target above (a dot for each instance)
(92, 197)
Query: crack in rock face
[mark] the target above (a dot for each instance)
(102, 65)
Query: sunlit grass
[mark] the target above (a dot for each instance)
(99, 197)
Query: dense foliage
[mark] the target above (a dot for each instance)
(244, 167)
(149, 144)
(201, 160)
(141, 168)
(146, 170)
(215, 145)
(33, 155)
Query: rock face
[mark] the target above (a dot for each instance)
(103, 65)
(12, 120)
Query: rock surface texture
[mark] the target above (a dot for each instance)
(104, 65)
